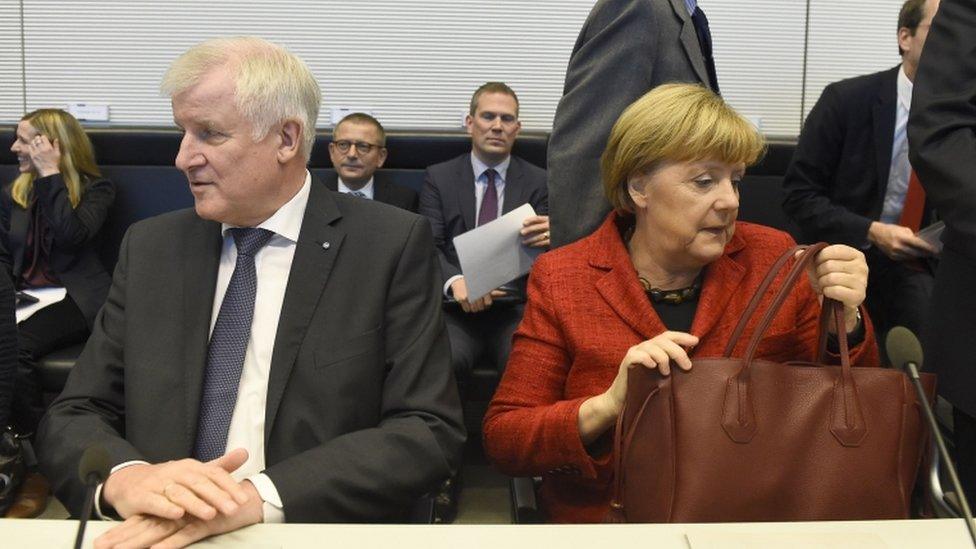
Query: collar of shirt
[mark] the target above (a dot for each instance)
(479, 167)
(691, 5)
(904, 89)
(366, 189)
(287, 221)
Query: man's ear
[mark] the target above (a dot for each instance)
(290, 144)
(904, 34)
(468, 122)
(382, 157)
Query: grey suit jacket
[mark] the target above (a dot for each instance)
(448, 201)
(362, 412)
(942, 147)
(625, 49)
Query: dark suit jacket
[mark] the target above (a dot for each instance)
(836, 183)
(942, 136)
(362, 412)
(384, 190)
(448, 201)
(625, 49)
(586, 308)
(73, 230)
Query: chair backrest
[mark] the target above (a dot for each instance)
(140, 162)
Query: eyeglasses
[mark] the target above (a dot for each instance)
(361, 146)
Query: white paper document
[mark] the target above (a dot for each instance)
(493, 253)
(45, 297)
(933, 235)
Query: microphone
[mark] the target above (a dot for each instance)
(93, 469)
(905, 352)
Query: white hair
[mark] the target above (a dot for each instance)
(271, 84)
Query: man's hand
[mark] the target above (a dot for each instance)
(897, 242)
(175, 488)
(460, 291)
(146, 530)
(535, 231)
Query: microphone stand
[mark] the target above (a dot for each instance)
(950, 467)
(90, 482)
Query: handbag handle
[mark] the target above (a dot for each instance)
(846, 419)
(621, 443)
(757, 298)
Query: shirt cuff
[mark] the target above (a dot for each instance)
(447, 285)
(98, 489)
(274, 512)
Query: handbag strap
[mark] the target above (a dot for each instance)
(799, 266)
(621, 442)
(846, 422)
(757, 298)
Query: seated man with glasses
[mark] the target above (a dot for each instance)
(471, 190)
(357, 150)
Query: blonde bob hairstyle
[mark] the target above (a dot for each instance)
(77, 163)
(272, 85)
(674, 123)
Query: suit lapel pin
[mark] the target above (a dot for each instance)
(326, 245)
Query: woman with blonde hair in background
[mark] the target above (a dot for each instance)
(50, 215)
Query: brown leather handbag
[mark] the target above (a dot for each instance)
(746, 439)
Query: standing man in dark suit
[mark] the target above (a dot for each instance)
(625, 49)
(942, 135)
(474, 189)
(850, 180)
(283, 333)
(357, 150)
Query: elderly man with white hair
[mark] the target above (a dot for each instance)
(276, 354)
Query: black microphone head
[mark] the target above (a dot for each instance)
(94, 462)
(903, 347)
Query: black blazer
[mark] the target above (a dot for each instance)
(384, 190)
(448, 201)
(942, 136)
(73, 231)
(362, 415)
(835, 184)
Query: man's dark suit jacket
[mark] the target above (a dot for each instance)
(835, 185)
(362, 412)
(942, 136)
(448, 201)
(72, 230)
(625, 49)
(384, 190)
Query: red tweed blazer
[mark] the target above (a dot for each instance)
(585, 309)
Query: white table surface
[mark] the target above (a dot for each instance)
(913, 534)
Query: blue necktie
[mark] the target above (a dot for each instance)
(705, 41)
(228, 343)
(360, 194)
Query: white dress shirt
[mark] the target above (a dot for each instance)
(366, 190)
(900, 170)
(273, 265)
(480, 186)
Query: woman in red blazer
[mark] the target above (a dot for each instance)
(666, 277)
